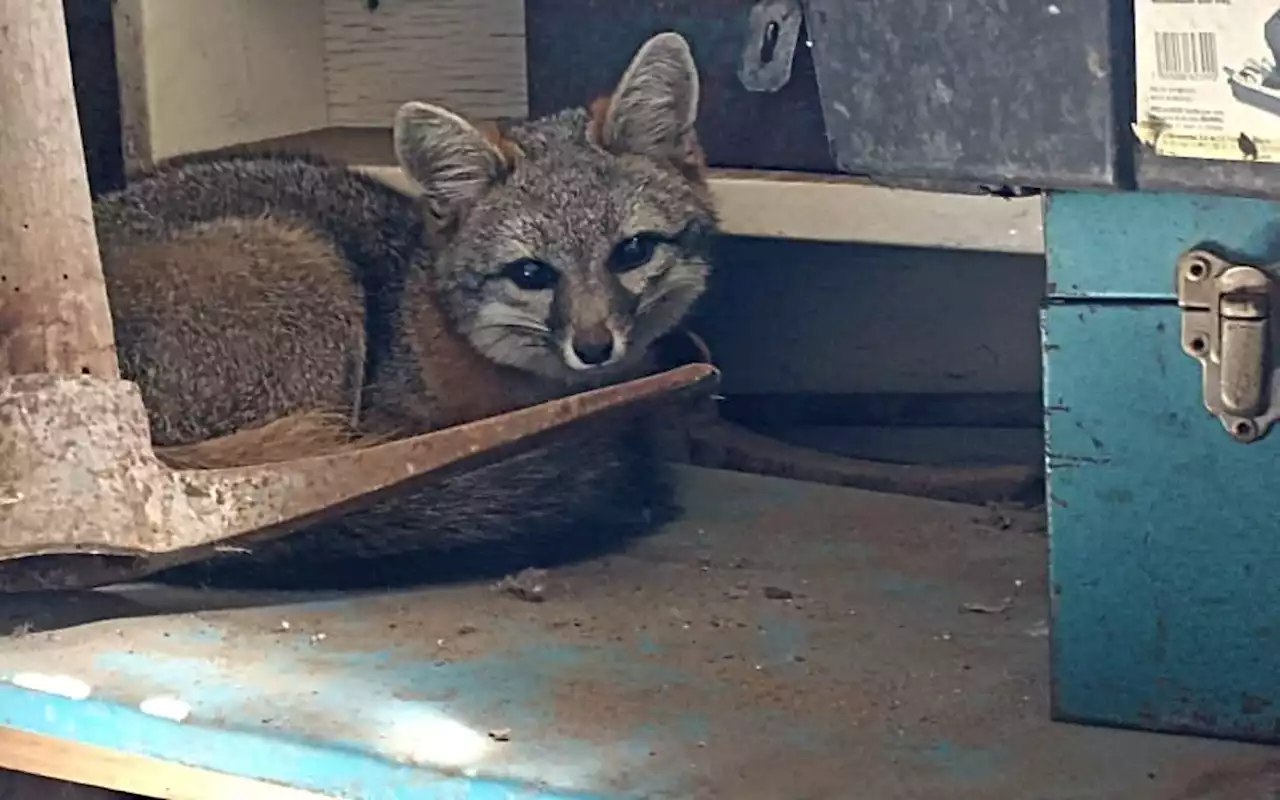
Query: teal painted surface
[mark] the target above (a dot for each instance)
(1164, 533)
(329, 769)
(1124, 245)
(330, 718)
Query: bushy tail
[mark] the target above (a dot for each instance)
(582, 495)
(302, 435)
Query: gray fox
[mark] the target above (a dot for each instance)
(273, 307)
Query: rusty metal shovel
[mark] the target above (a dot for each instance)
(84, 500)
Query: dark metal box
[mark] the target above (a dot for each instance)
(971, 91)
(577, 49)
(991, 91)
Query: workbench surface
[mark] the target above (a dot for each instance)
(783, 641)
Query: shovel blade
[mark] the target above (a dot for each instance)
(244, 505)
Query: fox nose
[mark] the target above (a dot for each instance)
(593, 347)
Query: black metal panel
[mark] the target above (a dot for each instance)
(578, 48)
(1242, 179)
(1014, 92)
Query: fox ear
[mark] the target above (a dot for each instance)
(654, 108)
(448, 157)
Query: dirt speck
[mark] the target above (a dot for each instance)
(1039, 630)
(989, 608)
(500, 734)
(529, 585)
(778, 593)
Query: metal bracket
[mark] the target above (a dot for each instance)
(1226, 326)
(773, 32)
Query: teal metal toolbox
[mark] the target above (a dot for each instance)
(1159, 338)
(1159, 350)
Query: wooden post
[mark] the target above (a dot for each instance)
(53, 302)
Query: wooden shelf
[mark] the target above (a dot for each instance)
(824, 208)
(775, 204)
(104, 768)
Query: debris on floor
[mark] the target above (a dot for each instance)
(720, 657)
(995, 608)
(1013, 517)
(529, 585)
(989, 608)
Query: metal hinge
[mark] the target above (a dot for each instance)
(1226, 326)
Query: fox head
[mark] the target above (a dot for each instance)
(566, 245)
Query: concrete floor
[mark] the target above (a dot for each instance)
(784, 640)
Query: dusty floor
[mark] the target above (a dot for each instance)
(785, 640)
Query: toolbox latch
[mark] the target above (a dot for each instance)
(1226, 326)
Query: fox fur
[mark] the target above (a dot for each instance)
(274, 307)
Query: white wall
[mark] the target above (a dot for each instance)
(466, 55)
(212, 73)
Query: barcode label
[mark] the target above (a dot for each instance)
(1202, 79)
(1187, 56)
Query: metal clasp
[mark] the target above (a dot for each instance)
(1226, 326)
(773, 33)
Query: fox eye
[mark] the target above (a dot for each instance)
(531, 275)
(634, 252)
